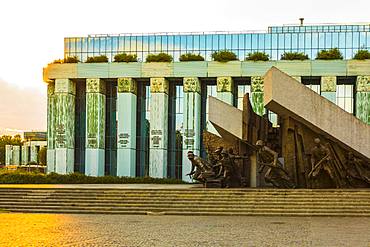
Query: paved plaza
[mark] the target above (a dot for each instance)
(133, 230)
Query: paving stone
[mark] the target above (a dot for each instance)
(139, 230)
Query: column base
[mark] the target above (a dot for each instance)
(158, 163)
(95, 162)
(64, 160)
(126, 162)
(50, 161)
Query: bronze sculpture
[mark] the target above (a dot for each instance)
(275, 174)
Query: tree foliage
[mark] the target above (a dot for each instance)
(97, 59)
(257, 56)
(224, 56)
(191, 57)
(330, 54)
(161, 57)
(125, 58)
(8, 140)
(362, 55)
(294, 56)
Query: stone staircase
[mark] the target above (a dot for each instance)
(238, 202)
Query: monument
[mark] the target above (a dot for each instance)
(316, 145)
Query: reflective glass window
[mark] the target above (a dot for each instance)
(145, 43)
(196, 44)
(228, 45)
(133, 44)
(344, 97)
(151, 44)
(214, 42)
(235, 41)
(274, 41)
(177, 43)
(189, 42)
(158, 43)
(208, 42)
(164, 39)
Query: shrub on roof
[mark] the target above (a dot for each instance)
(97, 59)
(72, 59)
(294, 56)
(362, 55)
(161, 57)
(191, 57)
(224, 56)
(257, 56)
(330, 54)
(126, 58)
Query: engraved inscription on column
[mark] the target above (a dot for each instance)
(156, 138)
(123, 140)
(189, 135)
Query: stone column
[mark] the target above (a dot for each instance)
(225, 89)
(363, 98)
(329, 88)
(126, 127)
(50, 153)
(64, 125)
(257, 94)
(158, 127)
(191, 135)
(8, 154)
(95, 127)
(24, 160)
(16, 155)
(34, 154)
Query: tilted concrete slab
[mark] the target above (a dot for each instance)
(289, 98)
(226, 118)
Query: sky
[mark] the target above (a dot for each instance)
(32, 32)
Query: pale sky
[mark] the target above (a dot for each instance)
(32, 32)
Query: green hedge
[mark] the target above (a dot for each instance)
(257, 56)
(22, 177)
(294, 56)
(362, 55)
(330, 54)
(191, 57)
(161, 57)
(97, 59)
(224, 56)
(126, 58)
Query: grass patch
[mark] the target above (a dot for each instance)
(22, 177)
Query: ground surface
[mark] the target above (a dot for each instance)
(131, 230)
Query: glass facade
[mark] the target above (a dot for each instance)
(175, 129)
(276, 41)
(143, 127)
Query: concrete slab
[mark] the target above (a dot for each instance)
(289, 98)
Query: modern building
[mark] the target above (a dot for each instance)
(139, 119)
(28, 152)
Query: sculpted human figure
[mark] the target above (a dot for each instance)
(356, 168)
(275, 173)
(320, 160)
(200, 168)
(226, 167)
